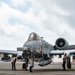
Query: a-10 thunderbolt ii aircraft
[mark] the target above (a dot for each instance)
(38, 50)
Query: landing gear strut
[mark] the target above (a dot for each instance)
(68, 63)
(32, 63)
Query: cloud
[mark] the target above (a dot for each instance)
(18, 2)
(17, 31)
(67, 5)
(10, 32)
(49, 18)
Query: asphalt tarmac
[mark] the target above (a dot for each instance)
(52, 69)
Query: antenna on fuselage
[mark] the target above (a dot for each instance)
(42, 37)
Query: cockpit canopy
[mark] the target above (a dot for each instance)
(33, 36)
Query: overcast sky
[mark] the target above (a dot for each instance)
(50, 19)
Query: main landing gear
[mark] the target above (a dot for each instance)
(68, 63)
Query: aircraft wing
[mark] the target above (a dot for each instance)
(9, 52)
(61, 52)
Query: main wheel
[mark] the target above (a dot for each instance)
(31, 68)
(69, 65)
(24, 66)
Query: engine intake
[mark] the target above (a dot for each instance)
(61, 44)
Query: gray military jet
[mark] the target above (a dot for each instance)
(38, 50)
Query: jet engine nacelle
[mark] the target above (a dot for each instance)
(61, 44)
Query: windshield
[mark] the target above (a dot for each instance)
(33, 36)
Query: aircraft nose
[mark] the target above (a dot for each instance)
(26, 51)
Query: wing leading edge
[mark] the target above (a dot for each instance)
(58, 52)
(9, 51)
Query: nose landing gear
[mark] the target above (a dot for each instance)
(31, 69)
(24, 66)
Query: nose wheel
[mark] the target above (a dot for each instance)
(31, 69)
(24, 66)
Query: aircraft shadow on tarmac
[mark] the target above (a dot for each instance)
(38, 70)
(48, 70)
